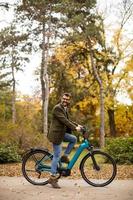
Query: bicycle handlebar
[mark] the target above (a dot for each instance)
(85, 132)
(83, 129)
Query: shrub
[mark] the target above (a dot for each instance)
(94, 142)
(8, 153)
(121, 149)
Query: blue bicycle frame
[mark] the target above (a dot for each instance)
(84, 145)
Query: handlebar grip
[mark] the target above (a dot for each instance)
(83, 129)
(85, 132)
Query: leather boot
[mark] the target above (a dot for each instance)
(64, 159)
(54, 182)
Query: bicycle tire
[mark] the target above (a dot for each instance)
(98, 177)
(30, 165)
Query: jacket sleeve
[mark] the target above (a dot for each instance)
(63, 119)
(74, 123)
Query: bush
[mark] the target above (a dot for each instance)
(8, 153)
(94, 142)
(121, 149)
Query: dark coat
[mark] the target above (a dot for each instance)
(59, 124)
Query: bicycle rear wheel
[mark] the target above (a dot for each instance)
(36, 166)
(98, 168)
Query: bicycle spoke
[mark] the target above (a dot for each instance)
(34, 158)
(98, 169)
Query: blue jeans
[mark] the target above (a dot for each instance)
(58, 148)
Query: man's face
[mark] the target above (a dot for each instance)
(65, 101)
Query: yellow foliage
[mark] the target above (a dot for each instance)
(86, 104)
(123, 117)
(129, 65)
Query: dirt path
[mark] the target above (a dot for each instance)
(17, 188)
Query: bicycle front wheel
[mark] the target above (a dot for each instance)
(36, 166)
(98, 168)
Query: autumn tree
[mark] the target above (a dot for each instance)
(126, 84)
(123, 117)
(83, 24)
(113, 54)
(69, 72)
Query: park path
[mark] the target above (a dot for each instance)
(17, 188)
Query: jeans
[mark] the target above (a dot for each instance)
(58, 148)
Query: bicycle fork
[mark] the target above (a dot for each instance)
(95, 165)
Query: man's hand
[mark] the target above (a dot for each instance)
(78, 128)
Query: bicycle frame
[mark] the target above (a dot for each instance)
(84, 145)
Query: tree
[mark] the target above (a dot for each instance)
(112, 56)
(5, 5)
(69, 72)
(41, 12)
(5, 105)
(12, 58)
(127, 83)
(84, 25)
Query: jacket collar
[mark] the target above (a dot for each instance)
(62, 107)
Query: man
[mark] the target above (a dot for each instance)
(60, 130)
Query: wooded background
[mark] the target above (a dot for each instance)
(78, 56)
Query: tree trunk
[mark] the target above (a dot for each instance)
(112, 122)
(102, 133)
(96, 75)
(44, 82)
(13, 93)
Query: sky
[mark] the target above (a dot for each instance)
(26, 81)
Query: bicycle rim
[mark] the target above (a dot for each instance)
(36, 167)
(101, 174)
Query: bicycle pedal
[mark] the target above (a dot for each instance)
(66, 172)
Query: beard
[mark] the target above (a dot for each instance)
(65, 104)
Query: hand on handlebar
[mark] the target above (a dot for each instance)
(78, 128)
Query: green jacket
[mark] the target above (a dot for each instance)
(59, 124)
